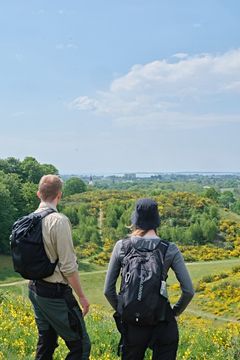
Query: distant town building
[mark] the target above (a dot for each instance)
(90, 181)
(130, 176)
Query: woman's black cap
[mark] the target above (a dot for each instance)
(146, 215)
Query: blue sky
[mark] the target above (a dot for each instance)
(114, 86)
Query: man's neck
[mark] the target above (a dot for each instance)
(52, 204)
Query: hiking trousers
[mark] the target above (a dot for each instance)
(162, 339)
(57, 313)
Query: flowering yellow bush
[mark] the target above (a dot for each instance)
(199, 339)
(204, 253)
(221, 296)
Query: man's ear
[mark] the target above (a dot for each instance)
(59, 195)
(38, 194)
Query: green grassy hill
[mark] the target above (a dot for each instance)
(205, 335)
(92, 276)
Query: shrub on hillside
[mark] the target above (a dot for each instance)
(73, 186)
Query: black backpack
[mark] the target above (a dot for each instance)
(27, 248)
(142, 274)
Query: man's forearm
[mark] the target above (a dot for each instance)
(74, 281)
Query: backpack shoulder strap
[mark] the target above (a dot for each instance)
(127, 245)
(45, 213)
(163, 246)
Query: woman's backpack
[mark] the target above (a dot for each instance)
(140, 299)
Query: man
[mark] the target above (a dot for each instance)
(56, 310)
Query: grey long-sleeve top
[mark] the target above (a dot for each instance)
(173, 260)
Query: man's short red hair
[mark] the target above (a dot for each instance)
(49, 187)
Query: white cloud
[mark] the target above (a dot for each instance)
(180, 55)
(170, 93)
(83, 103)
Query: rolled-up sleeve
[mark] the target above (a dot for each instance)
(67, 260)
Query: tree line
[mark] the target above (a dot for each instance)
(18, 186)
(101, 217)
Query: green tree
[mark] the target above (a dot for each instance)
(48, 169)
(18, 187)
(212, 193)
(31, 170)
(74, 185)
(11, 165)
(83, 210)
(165, 232)
(122, 230)
(95, 237)
(210, 230)
(72, 214)
(29, 192)
(6, 217)
(194, 234)
(111, 218)
(14, 185)
(236, 207)
(213, 212)
(226, 199)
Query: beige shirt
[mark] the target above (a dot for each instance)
(57, 238)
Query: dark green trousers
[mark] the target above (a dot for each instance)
(57, 313)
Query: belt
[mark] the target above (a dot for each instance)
(46, 289)
(50, 284)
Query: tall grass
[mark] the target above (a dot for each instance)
(199, 339)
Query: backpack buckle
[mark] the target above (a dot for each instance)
(127, 277)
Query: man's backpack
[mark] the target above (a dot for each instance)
(27, 248)
(142, 275)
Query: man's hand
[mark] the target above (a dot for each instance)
(74, 281)
(85, 304)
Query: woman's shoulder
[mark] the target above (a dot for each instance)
(118, 249)
(172, 250)
(121, 242)
(121, 247)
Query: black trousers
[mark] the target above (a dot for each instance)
(47, 343)
(162, 339)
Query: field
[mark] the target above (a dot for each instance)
(204, 333)
(199, 212)
(7, 273)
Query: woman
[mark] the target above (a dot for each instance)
(162, 337)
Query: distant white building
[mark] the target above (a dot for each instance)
(91, 181)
